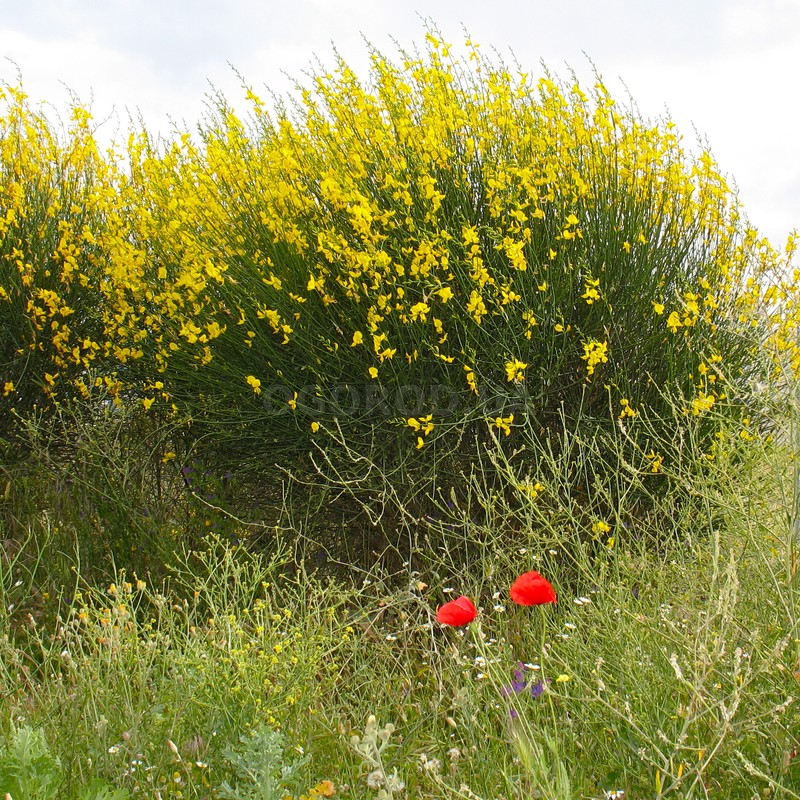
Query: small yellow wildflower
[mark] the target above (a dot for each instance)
(476, 307)
(358, 338)
(702, 403)
(627, 411)
(471, 382)
(293, 402)
(503, 423)
(373, 372)
(314, 427)
(533, 490)
(515, 370)
(600, 527)
(419, 312)
(8, 387)
(147, 402)
(674, 321)
(594, 353)
(255, 383)
(657, 307)
(590, 291)
(656, 461)
(424, 424)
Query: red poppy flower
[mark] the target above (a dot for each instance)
(457, 612)
(531, 589)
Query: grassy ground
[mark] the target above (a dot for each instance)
(668, 667)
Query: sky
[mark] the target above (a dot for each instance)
(720, 69)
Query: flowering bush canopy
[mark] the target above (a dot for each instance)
(449, 222)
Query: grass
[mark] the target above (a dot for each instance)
(668, 667)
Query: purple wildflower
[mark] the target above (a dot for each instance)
(537, 688)
(517, 684)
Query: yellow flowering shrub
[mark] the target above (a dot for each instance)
(450, 240)
(55, 199)
(447, 223)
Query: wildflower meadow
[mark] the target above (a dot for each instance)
(430, 432)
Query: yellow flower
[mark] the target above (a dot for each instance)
(599, 527)
(533, 490)
(419, 311)
(255, 383)
(594, 353)
(656, 461)
(515, 370)
(563, 678)
(445, 293)
(657, 307)
(476, 307)
(471, 382)
(702, 403)
(147, 402)
(627, 411)
(358, 338)
(293, 402)
(503, 423)
(674, 321)
(373, 372)
(314, 427)
(8, 387)
(591, 293)
(423, 424)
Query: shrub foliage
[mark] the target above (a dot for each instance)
(423, 260)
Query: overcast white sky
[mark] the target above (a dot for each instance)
(727, 68)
